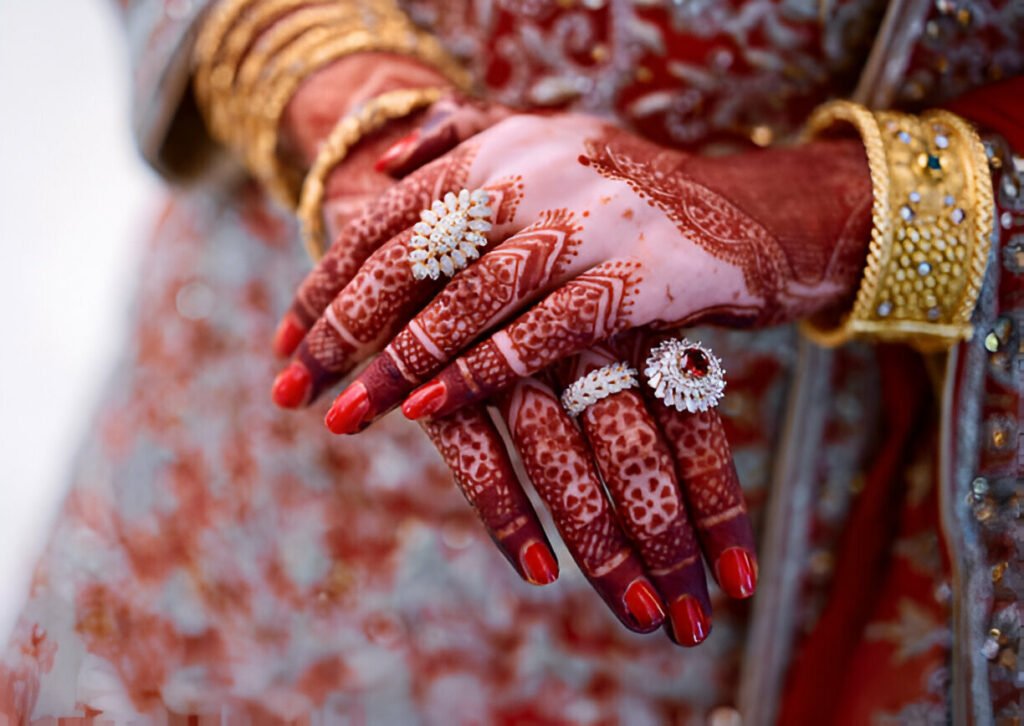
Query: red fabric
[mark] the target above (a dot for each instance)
(819, 671)
(998, 107)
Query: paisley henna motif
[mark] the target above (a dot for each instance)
(785, 234)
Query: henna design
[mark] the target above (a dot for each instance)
(485, 293)
(558, 463)
(640, 475)
(703, 457)
(638, 470)
(373, 306)
(741, 214)
(562, 472)
(389, 214)
(592, 307)
(473, 450)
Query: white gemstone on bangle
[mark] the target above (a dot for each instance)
(597, 385)
(450, 234)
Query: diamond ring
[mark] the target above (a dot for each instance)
(684, 375)
(450, 234)
(597, 385)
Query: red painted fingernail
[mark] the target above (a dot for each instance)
(425, 400)
(398, 151)
(349, 410)
(689, 622)
(737, 573)
(539, 564)
(291, 386)
(643, 604)
(288, 336)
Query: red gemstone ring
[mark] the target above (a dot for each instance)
(684, 375)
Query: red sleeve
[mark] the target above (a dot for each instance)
(998, 107)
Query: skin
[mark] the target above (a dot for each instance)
(627, 236)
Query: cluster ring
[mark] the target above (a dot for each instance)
(686, 376)
(450, 234)
(597, 385)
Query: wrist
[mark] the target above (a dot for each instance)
(335, 90)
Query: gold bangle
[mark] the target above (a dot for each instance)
(211, 35)
(265, 118)
(247, 71)
(932, 216)
(244, 41)
(366, 119)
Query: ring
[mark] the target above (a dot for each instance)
(450, 234)
(596, 385)
(686, 376)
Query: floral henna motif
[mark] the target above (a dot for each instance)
(558, 463)
(640, 475)
(473, 450)
(526, 263)
(592, 307)
(705, 465)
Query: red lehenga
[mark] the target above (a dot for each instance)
(218, 557)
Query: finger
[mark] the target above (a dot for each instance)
(640, 475)
(379, 299)
(704, 460)
(560, 467)
(540, 257)
(474, 451)
(590, 308)
(448, 123)
(397, 209)
(365, 314)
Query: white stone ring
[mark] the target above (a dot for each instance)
(685, 376)
(450, 234)
(597, 385)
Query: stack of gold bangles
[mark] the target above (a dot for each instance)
(252, 55)
(932, 219)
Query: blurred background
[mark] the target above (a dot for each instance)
(74, 203)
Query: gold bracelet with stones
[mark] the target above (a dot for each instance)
(931, 227)
(363, 121)
(252, 56)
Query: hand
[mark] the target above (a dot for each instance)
(511, 280)
(595, 232)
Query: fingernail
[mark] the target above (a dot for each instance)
(539, 564)
(689, 623)
(291, 386)
(397, 152)
(643, 604)
(288, 336)
(425, 400)
(736, 573)
(349, 410)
